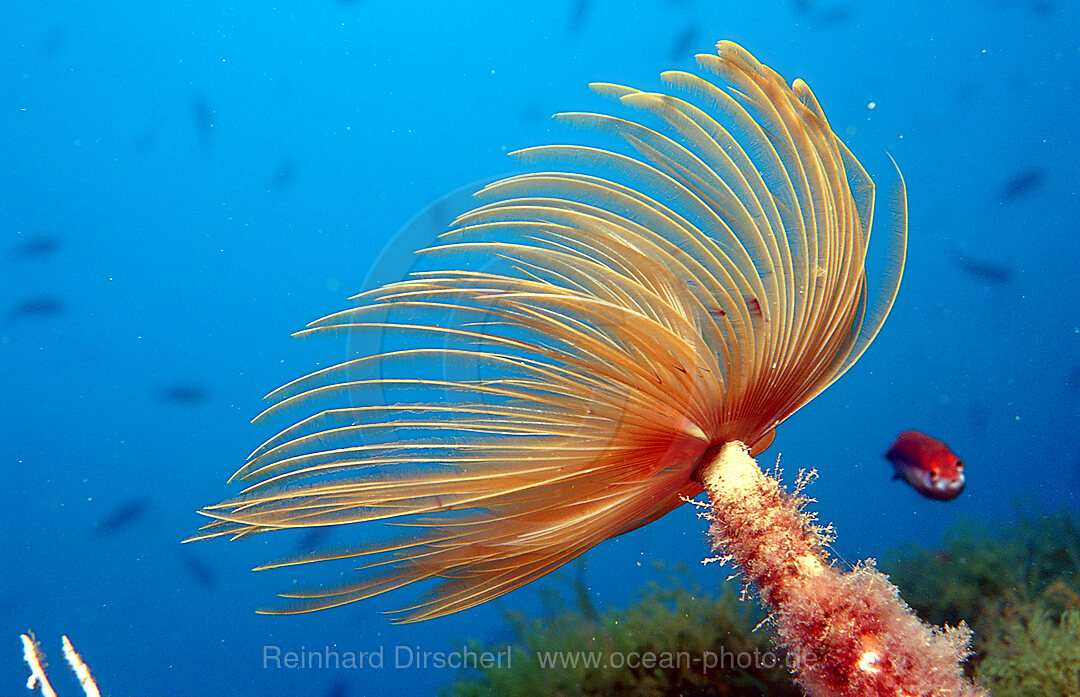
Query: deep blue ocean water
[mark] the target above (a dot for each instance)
(184, 185)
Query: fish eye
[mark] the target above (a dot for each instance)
(959, 465)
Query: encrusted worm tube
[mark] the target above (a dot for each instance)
(849, 633)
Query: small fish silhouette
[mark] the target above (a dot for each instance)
(36, 247)
(39, 307)
(1021, 184)
(121, 518)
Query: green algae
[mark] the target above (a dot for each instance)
(675, 639)
(1018, 587)
(1040, 657)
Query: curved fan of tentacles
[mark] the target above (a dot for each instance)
(696, 292)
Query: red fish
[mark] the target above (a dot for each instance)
(928, 465)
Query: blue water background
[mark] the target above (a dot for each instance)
(212, 177)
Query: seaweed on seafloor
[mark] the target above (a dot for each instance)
(978, 573)
(693, 642)
(1040, 657)
(1018, 589)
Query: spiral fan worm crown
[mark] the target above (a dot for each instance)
(645, 308)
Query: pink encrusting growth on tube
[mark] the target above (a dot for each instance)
(599, 333)
(849, 632)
